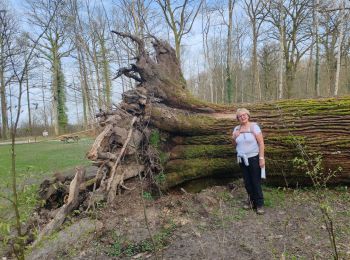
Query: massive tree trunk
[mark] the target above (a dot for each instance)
(201, 142)
(195, 135)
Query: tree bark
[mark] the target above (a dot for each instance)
(340, 41)
(289, 127)
(195, 136)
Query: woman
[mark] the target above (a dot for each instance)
(250, 154)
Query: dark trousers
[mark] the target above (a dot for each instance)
(252, 181)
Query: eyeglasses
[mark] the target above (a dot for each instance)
(243, 115)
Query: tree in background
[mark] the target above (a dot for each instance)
(229, 78)
(53, 47)
(19, 62)
(293, 20)
(180, 17)
(99, 31)
(80, 37)
(7, 42)
(256, 14)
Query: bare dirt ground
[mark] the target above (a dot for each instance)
(206, 225)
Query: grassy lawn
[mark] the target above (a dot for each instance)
(34, 162)
(44, 158)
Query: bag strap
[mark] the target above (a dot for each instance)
(252, 125)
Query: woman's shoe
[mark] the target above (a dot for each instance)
(260, 211)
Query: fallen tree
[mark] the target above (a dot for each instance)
(159, 128)
(196, 134)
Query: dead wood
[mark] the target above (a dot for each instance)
(117, 179)
(92, 154)
(62, 213)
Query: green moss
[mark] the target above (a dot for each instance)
(207, 139)
(207, 151)
(188, 124)
(287, 140)
(337, 106)
(179, 171)
(342, 142)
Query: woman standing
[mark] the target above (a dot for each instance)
(250, 154)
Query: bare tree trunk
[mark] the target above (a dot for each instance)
(207, 63)
(100, 103)
(5, 34)
(340, 41)
(28, 104)
(308, 69)
(254, 10)
(76, 102)
(106, 74)
(317, 58)
(46, 123)
(256, 82)
(4, 116)
(84, 87)
(229, 80)
(281, 54)
(91, 91)
(54, 107)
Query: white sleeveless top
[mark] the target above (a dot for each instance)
(246, 141)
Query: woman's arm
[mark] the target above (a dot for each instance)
(260, 140)
(235, 134)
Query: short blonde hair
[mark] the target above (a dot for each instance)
(242, 111)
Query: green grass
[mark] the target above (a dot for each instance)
(34, 162)
(273, 196)
(40, 159)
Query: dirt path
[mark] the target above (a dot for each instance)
(210, 225)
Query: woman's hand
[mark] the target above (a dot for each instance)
(235, 134)
(261, 162)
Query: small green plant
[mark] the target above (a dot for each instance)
(225, 196)
(131, 250)
(286, 255)
(240, 214)
(147, 195)
(273, 197)
(320, 178)
(160, 178)
(154, 139)
(315, 170)
(127, 248)
(116, 249)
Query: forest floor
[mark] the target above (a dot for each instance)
(210, 224)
